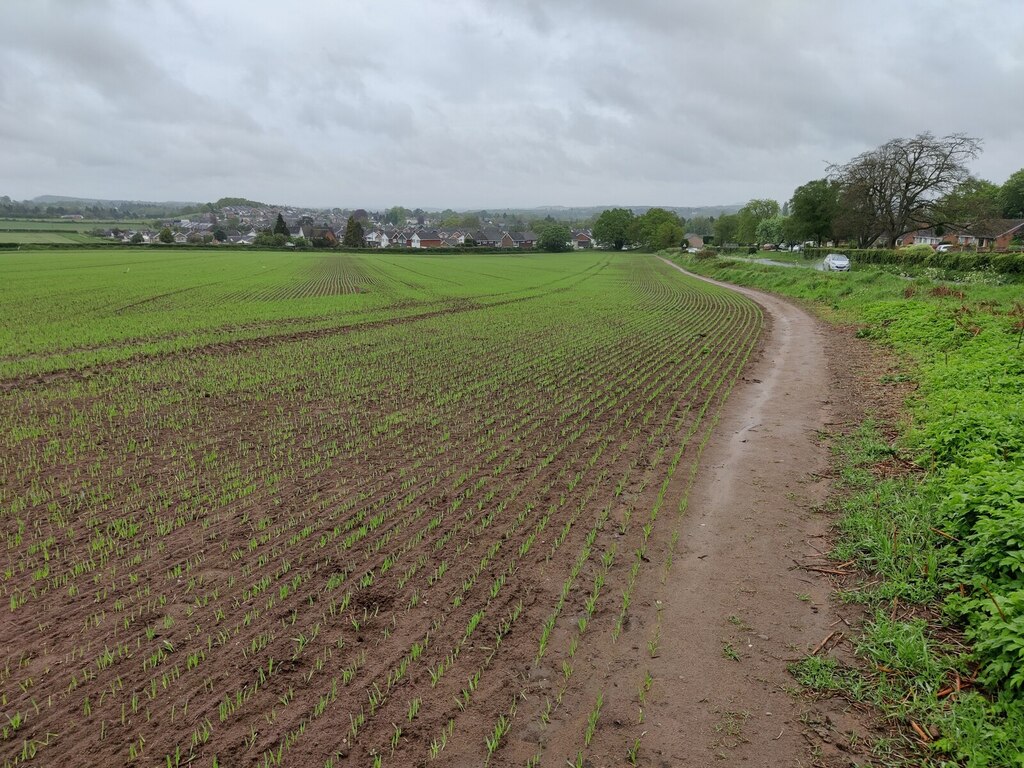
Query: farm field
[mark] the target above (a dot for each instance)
(55, 231)
(332, 509)
(44, 237)
(69, 225)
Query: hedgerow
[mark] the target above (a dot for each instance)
(963, 261)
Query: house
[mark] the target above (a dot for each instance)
(517, 240)
(323, 235)
(920, 237)
(487, 237)
(582, 240)
(994, 234)
(997, 234)
(426, 238)
(693, 240)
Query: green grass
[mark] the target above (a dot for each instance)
(70, 308)
(46, 237)
(69, 225)
(950, 538)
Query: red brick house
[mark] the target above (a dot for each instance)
(581, 241)
(1011, 229)
(426, 238)
(517, 240)
(994, 234)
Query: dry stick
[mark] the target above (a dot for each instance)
(822, 644)
(992, 598)
(826, 570)
(920, 732)
(943, 534)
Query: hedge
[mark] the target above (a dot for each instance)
(962, 261)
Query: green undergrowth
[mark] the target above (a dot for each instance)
(944, 533)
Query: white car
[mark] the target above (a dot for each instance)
(836, 262)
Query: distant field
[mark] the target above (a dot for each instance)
(65, 225)
(269, 508)
(43, 237)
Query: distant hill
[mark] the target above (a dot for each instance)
(586, 212)
(239, 202)
(561, 212)
(64, 200)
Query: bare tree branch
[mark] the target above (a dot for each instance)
(892, 190)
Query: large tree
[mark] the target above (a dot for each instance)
(1011, 196)
(354, 237)
(281, 226)
(974, 201)
(554, 238)
(396, 215)
(726, 227)
(812, 211)
(614, 228)
(891, 190)
(770, 230)
(752, 214)
(657, 229)
(701, 225)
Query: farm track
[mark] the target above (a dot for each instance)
(310, 526)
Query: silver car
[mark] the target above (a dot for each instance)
(836, 262)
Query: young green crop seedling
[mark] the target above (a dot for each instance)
(351, 463)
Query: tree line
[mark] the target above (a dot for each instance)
(904, 185)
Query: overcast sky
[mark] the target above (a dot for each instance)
(488, 103)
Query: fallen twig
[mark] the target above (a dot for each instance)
(824, 642)
(826, 570)
(943, 534)
(993, 599)
(924, 735)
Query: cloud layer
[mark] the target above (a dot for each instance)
(476, 104)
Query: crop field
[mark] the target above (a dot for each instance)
(44, 237)
(332, 509)
(70, 225)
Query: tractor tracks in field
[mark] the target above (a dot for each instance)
(237, 345)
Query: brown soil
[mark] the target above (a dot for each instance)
(723, 603)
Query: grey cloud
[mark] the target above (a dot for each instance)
(480, 104)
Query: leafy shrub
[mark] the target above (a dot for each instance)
(915, 252)
(999, 642)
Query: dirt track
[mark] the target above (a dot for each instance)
(737, 589)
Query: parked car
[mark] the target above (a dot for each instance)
(944, 247)
(836, 262)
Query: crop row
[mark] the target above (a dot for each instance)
(246, 555)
